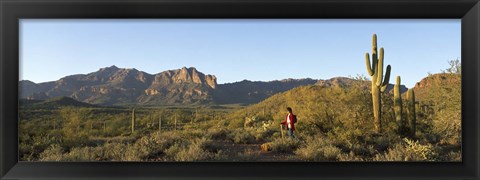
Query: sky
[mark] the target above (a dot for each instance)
(237, 49)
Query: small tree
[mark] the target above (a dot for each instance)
(455, 67)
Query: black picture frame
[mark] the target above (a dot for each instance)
(13, 10)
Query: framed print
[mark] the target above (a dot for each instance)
(239, 89)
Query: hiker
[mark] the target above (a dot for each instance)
(289, 122)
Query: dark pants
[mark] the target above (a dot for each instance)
(290, 133)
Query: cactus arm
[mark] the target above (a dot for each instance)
(380, 56)
(380, 69)
(367, 62)
(386, 81)
(374, 53)
(374, 45)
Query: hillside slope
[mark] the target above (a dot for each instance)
(326, 107)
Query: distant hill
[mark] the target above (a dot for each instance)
(439, 89)
(345, 82)
(55, 102)
(248, 92)
(185, 86)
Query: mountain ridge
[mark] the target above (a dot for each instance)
(126, 86)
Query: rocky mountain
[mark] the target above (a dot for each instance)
(34, 90)
(117, 86)
(185, 86)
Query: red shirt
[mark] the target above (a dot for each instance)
(292, 124)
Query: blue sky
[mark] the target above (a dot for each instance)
(234, 50)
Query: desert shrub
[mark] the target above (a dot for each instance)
(382, 143)
(408, 150)
(152, 145)
(217, 133)
(347, 138)
(318, 149)
(285, 145)
(166, 139)
(235, 122)
(31, 146)
(53, 153)
(77, 140)
(193, 151)
(242, 136)
(449, 126)
(397, 153)
(173, 150)
(145, 147)
(25, 152)
(425, 151)
(114, 151)
(131, 153)
(363, 150)
(84, 154)
(331, 152)
(210, 146)
(266, 134)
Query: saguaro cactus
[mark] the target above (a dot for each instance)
(379, 84)
(133, 120)
(411, 112)
(397, 103)
(160, 122)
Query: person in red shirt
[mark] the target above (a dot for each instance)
(289, 122)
